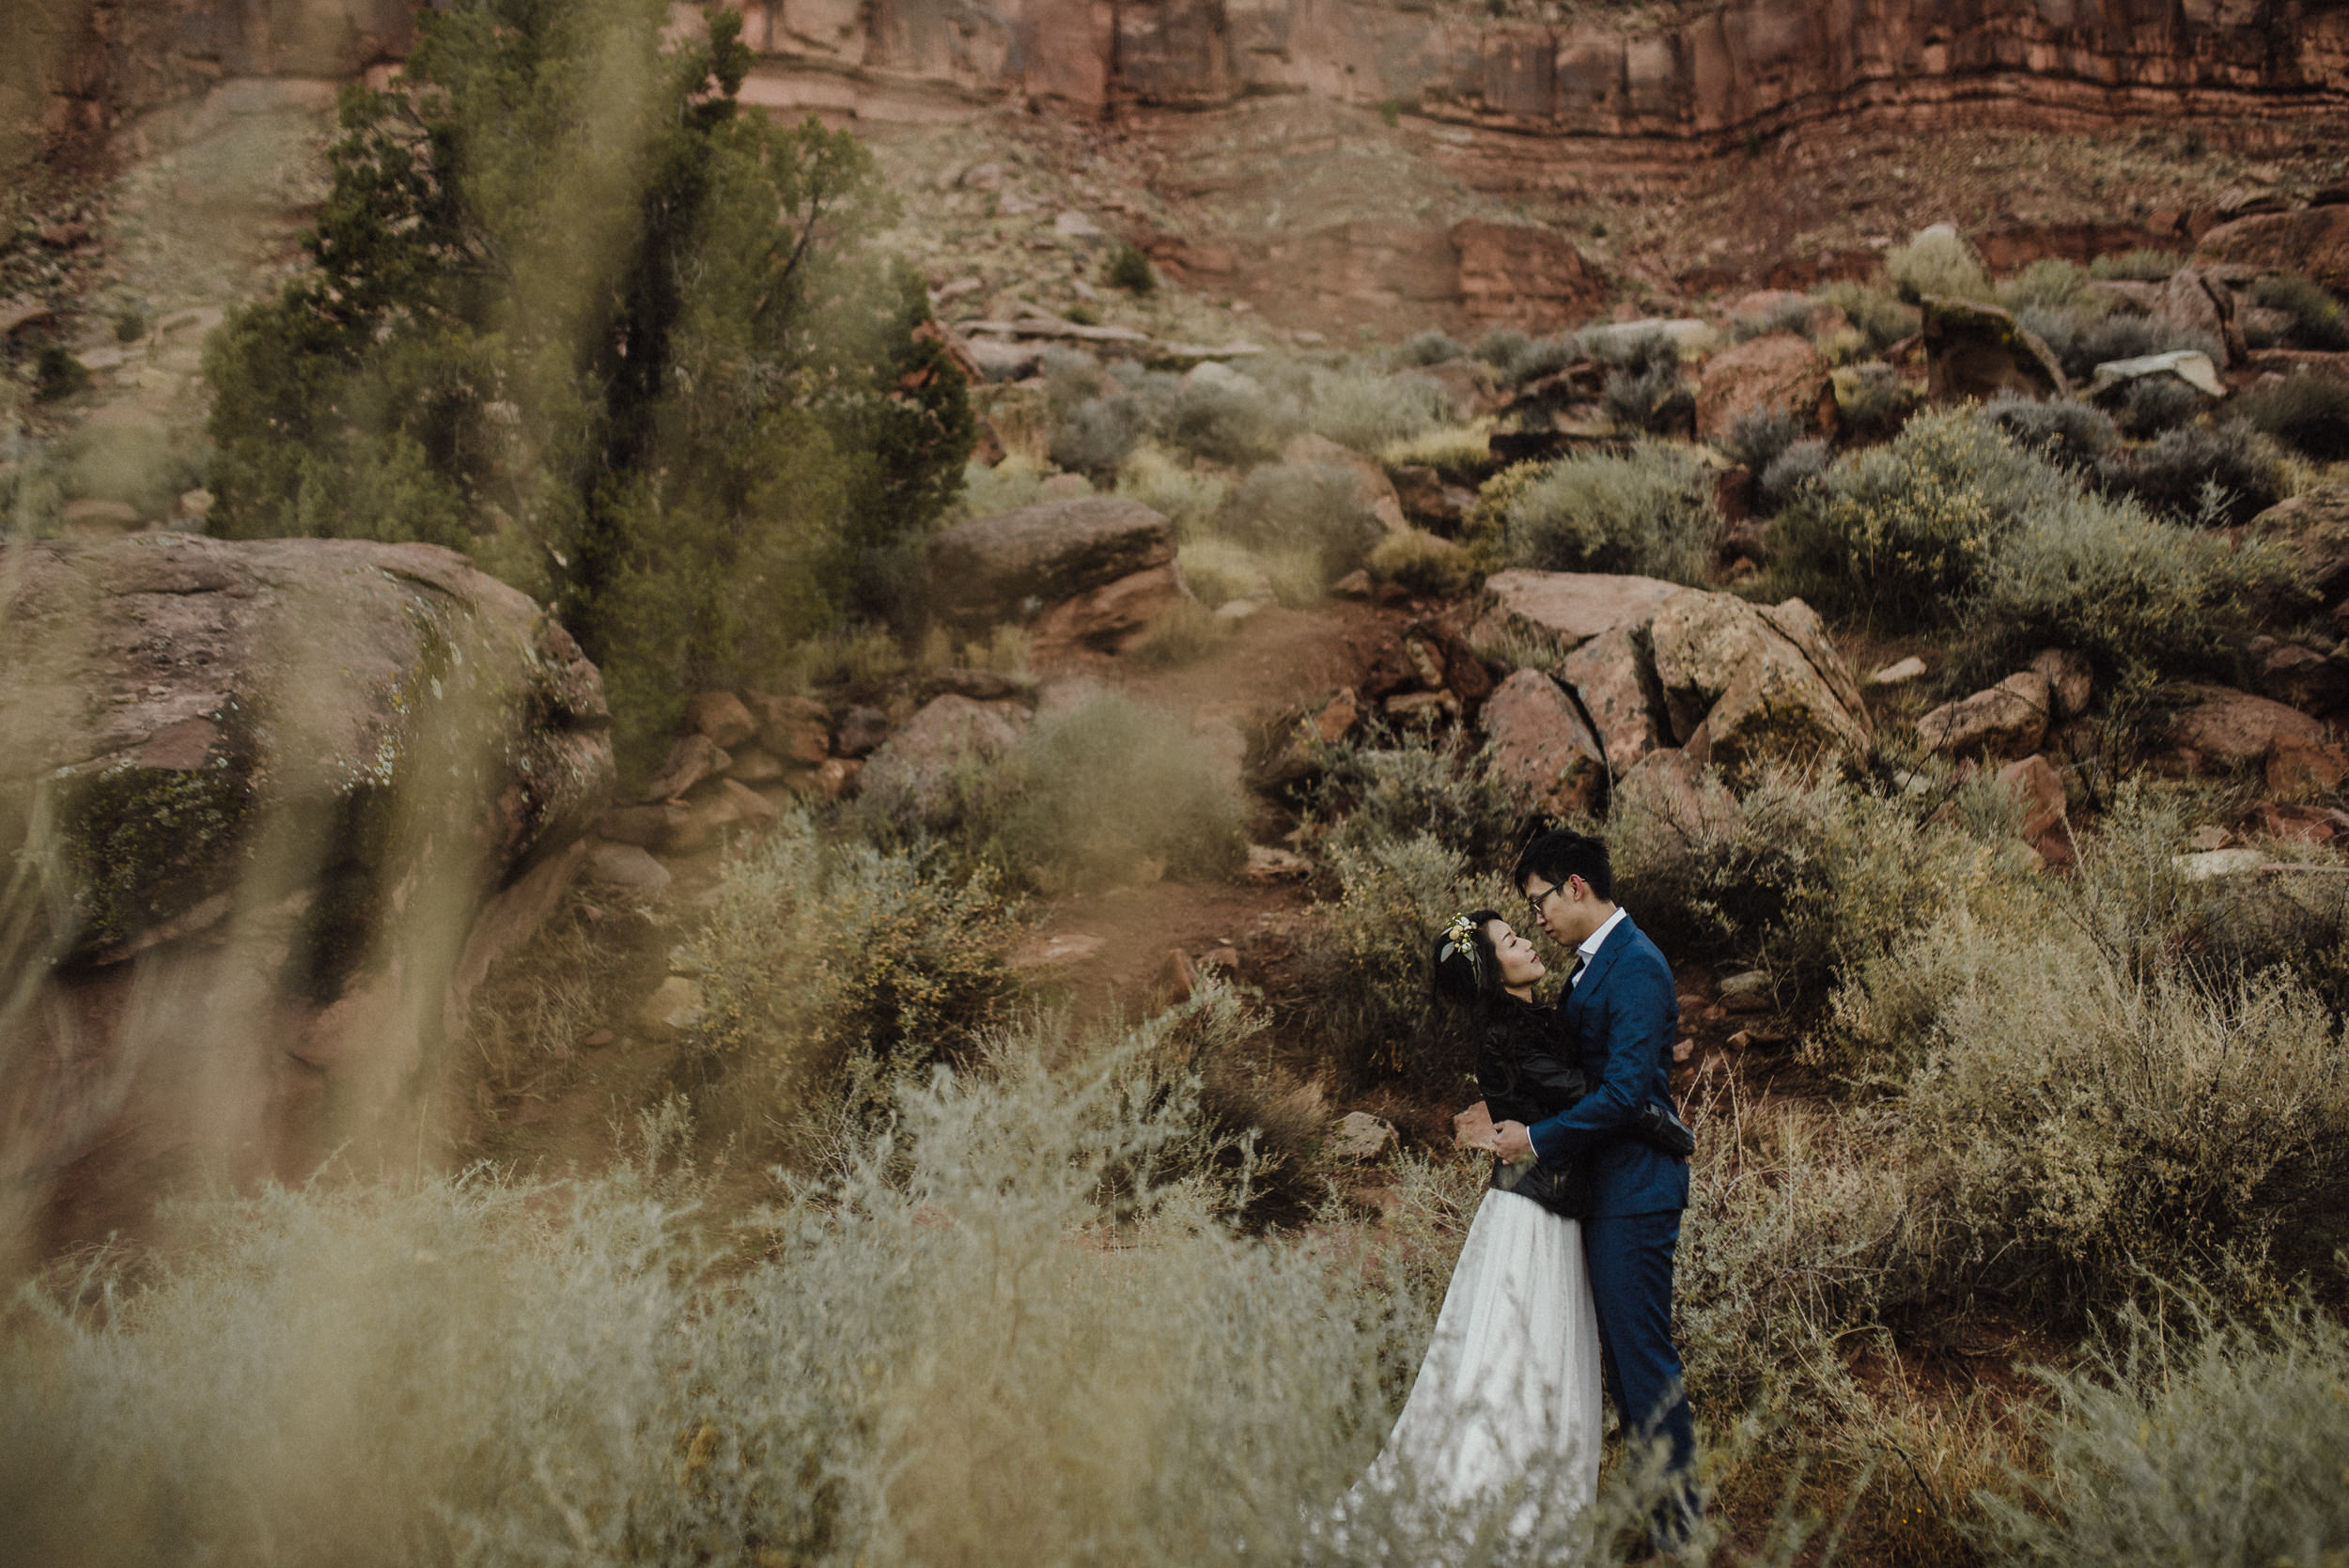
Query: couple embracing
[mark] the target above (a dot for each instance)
(1565, 1279)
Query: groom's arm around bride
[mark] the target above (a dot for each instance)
(1621, 1012)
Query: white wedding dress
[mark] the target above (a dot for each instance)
(1507, 1400)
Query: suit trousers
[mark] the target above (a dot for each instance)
(1630, 1258)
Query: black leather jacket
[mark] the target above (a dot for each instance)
(1528, 1075)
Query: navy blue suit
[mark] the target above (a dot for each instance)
(1623, 1017)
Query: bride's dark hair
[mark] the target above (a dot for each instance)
(1469, 975)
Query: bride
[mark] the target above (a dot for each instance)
(1506, 1407)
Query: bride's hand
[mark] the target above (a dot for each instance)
(1511, 1142)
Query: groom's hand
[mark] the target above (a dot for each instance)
(1510, 1141)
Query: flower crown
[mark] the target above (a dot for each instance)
(1461, 934)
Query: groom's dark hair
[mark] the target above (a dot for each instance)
(1556, 855)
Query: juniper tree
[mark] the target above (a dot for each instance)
(574, 312)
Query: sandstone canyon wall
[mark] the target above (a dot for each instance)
(1695, 76)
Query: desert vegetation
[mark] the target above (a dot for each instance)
(973, 1095)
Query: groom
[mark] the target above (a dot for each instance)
(1621, 1011)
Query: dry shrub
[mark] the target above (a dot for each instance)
(1366, 410)
(1650, 512)
(1459, 452)
(1185, 497)
(1010, 1329)
(1389, 787)
(823, 960)
(1106, 793)
(1303, 508)
(1186, 630)
(2138, 265)
(1936, 262)
(1219, 570)
(1421, 564)
(2081, 1131)
(2188, 1440)
(1370, 1002)
(1807, 878)
(2308, 413)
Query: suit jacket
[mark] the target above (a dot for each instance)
(1625, 1015)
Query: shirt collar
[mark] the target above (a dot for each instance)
(1591, 943)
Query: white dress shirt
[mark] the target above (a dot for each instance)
(1589, 949)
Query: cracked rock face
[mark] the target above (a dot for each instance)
(1764, 681)
(268, 801)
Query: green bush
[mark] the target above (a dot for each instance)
(2138, 265)
(1305, 508)
(2088, 1134)
(2129, 591)
(822, 960)
(692, 478)
(1952, 524)
(2187, 1439)
(2065, 432)
(1013, 483)
(1799, 465)
(1645, 392)
(57, 376)
(1129, 270)
(2091, 344)
(1875, 401)
(2190, 474)
(1901, 532)
(2319, 320)
(1459, 453)
(1187, 498)
(1099, 435)
(1787, 316)
(1936, 262)
(1105, 793)
(131, 325)
(1391, 786)
(1650, 512)
(2308, 413)
(1502, 347)
(2153, 404)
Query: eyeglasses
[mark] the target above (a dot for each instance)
(1539, 899)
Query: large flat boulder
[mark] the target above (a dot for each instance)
(1564, 610)
(1011, 566)
(277, 805)
(1765, 683)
